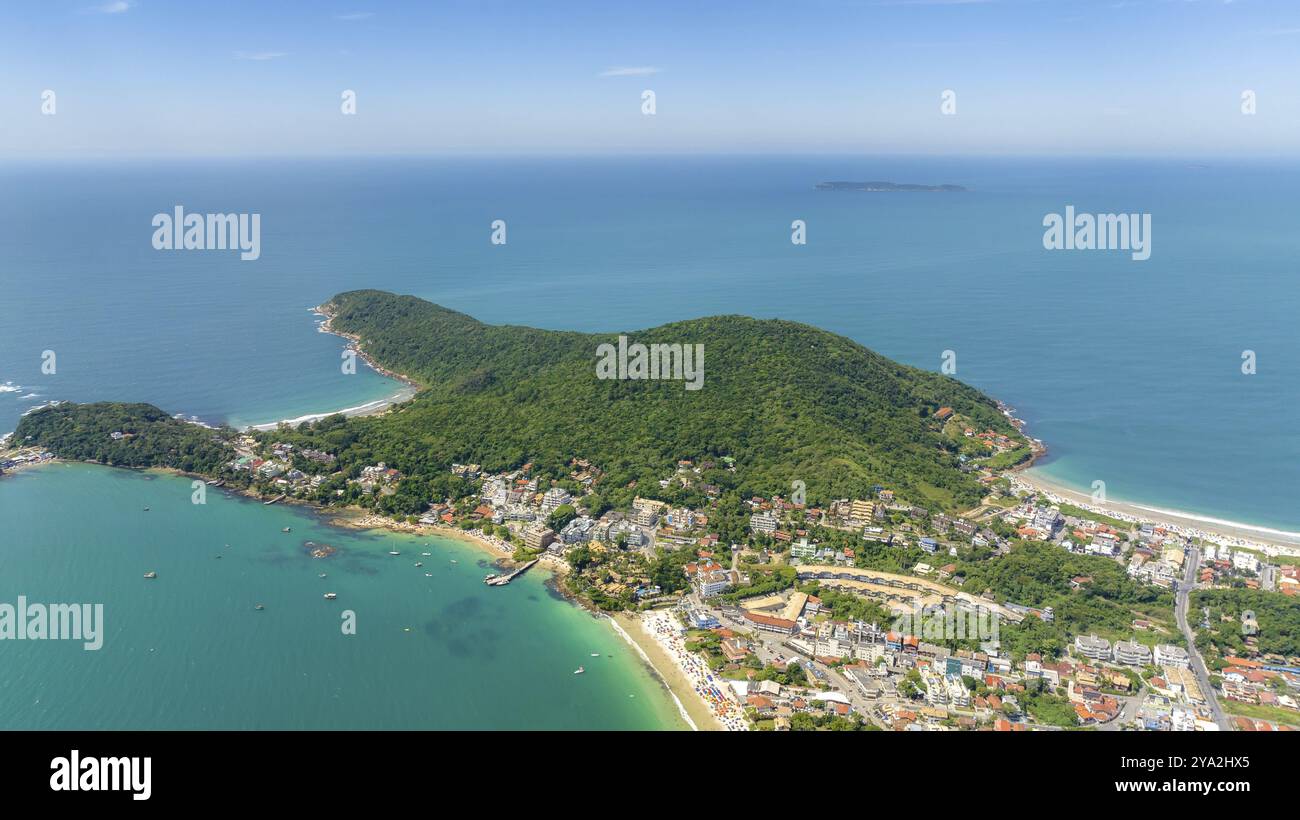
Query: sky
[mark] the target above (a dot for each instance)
(153, 78)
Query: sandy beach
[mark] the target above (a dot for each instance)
(695, 710)
(709, 701)
(1269, 541)
(406, 393)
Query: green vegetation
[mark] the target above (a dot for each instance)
(805, 722)
(763, 582)
(1046, 707)
(780, 401)
(1088, 515)
(845, 606)
(1255, 711)
(1038, 574)
(1278, 617)
(785, 400)
(150, 438)
(1009, 458)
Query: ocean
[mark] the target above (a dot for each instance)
(1130, 371)
(189, 650)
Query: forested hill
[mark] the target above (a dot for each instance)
(788, 401)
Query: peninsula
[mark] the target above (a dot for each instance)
(761, 533)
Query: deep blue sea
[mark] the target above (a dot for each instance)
(1130, 371)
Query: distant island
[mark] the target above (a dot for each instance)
(885, 186)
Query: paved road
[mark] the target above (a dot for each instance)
(1181, 604)
(769, 646)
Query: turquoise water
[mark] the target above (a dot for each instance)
(1130, 371)
(188, 649)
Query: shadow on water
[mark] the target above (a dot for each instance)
(464, 628)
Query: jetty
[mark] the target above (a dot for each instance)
(502, 580)
(273, 500)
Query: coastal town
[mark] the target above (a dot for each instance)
(869, 613)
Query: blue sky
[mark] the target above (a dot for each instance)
(151, 77)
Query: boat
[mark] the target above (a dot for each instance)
(329, 596)
(454, 561)
(428, 575)
(394, 552)
(322, 575)
(491, 577)
(579, 670)
(146, 509)
(259, 607)
(419, 563)
(595, 654)
(426, 554)
(286, 529)
(151, 574)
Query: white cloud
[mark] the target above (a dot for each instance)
(114, 7)
(630, 71)
(260, 55)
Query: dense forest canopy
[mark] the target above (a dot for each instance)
(786, 401)
(145, 436)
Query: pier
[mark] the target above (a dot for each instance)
(502, 580)
(273, 500)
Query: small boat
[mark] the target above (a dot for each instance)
(394, 552)
(329, 596)
(322, 575)
(419, 563)
(579, 670)
(490, 577)
(454, 561)
(151, 574)
(595, 654)
(258, 607)
(428, 575)
(286, 529)
(146, 509)
(426, 554)
(216, 556)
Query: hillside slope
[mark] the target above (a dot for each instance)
(787, 401)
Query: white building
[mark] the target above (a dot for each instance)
(1245, 562)
(1170, 655)
(1132, 653)
(1090, 646)
(553, 498)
